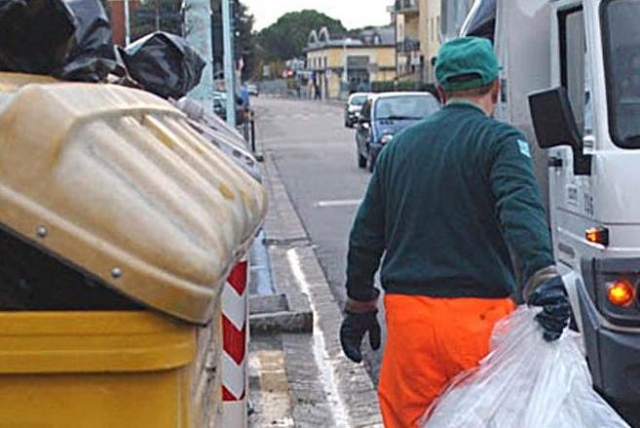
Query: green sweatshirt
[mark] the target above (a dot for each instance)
(446, 199)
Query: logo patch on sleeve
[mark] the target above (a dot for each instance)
(524, 148)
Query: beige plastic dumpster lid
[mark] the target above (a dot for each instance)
(114, 181)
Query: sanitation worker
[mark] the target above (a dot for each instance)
(448, 197)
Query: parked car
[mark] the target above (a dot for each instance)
(384, 115)
(220, 107)
(253, 89)
(353, 107)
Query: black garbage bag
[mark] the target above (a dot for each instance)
(35, 35)
(92, 56)
(164, 64)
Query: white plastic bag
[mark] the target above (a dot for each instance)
(524, 382)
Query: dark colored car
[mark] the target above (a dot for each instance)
(384, 115)
(353, 107)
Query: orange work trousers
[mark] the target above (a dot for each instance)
(429, 341)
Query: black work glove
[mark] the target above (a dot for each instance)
(556, 310)
(354, 326)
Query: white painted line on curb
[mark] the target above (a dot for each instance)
(321, 356)
(338, 203)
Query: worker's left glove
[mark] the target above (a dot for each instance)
(556, 310)
(360, 319)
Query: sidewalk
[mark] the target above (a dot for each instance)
(298, 376)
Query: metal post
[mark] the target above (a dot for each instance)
(127, 25)
(229, 72)
(345, 74)
(253, 133)
(197, 30)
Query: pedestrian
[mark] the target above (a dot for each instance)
(363, 86)
(245, 97)
(298, 89)
(317, 93)
(448, 197)
(353, 86)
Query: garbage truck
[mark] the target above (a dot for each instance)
(571, 81)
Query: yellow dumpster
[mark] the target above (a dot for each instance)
(112, 188)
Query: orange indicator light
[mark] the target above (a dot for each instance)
(598, 235)
(621, 292)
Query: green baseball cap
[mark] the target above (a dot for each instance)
(466, 56)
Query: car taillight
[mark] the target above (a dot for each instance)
(621, 292)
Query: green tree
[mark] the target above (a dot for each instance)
(243, 37)
(287, 37)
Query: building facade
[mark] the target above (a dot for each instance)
(340, 65)
(432, 36)
(117, 17)
(417, 24)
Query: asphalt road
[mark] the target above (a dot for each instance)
(316, 158)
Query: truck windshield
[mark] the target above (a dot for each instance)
(621, 33)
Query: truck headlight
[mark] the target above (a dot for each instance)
(385, 139)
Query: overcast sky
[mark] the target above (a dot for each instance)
(352, 13)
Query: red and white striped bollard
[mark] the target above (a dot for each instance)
(235, 306)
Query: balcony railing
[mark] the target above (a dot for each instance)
(408, 45)
(406, 6)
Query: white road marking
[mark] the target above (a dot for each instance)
(321, 356)
(338, 203)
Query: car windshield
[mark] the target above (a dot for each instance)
(358, 100)
(621, 34)
(405, 107)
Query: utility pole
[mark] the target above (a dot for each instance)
(197, 31)
(127, 24)
(157, 15)
(229, 66)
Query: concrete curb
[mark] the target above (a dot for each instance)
(288, 310)
(269, 314)
(299, 276)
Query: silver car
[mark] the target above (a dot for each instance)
(353, 108)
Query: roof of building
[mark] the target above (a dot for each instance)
(375, 36)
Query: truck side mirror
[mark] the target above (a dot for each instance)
(555, 125)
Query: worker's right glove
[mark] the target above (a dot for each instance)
(354, 326)
(556, 310)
